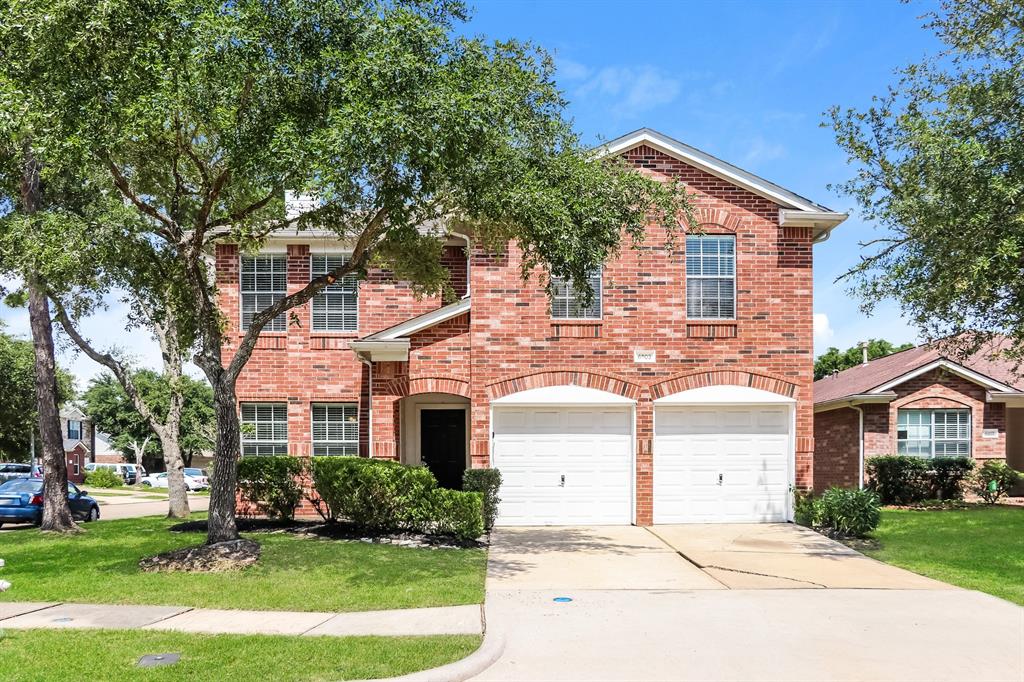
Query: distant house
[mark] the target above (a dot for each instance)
(917, 402)
(79, 441)
(105, 451)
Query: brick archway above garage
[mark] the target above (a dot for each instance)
(691, 380)
(563, 377)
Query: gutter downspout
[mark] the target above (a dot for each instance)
(469, 258)
(369, 406)
(860, 441)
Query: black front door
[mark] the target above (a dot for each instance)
(443, 445)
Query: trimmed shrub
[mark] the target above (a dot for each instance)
(898, 479)
(487, 482)
(803, 508)
(373, 493)
(994, 480)
(456, 513)
(849, 512)
(271, 483)
(948, 477)
(103, 478)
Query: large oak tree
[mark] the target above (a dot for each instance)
(203, 113)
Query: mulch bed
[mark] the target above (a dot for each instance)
(232, 555)
(338, 531)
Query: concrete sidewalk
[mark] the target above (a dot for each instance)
(448, 620)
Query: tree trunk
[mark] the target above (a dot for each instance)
(221, 518)
(56, 512)
(177, 494)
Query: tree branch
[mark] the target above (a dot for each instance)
(122, 184)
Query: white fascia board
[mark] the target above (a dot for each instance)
(707, 163)
(725, 395)
(823, 222)
(854, 400)
(381, 351)
(562, 395)
(1009, 398)
(953, 367)
(422, 321)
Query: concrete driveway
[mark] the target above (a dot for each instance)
(702, 603)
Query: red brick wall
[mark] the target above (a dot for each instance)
(933, 390)
(510, 333)
(836, 449)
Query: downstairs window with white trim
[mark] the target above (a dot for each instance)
(934, 433)
(335, 430)
(264, 429)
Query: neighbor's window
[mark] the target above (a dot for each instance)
(567, 302)
(74, 430)
(335, 429)
(934, 433)
(264, 282)
(336, 307)
(711, 277)
(264, 429)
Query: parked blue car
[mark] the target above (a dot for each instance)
(21, 501)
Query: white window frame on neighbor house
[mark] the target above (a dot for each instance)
(350, 445)
(697, 274)
(279, 323)
(78, 429)
(569, 296)
(333, 290)
(934, 438)
(268, 442)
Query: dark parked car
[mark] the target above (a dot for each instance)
(21, 501)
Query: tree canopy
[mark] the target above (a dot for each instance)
(18, 404)
(940, 168)
(107, 404)
(834, 360)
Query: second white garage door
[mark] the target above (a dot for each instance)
(564, 465)
(721, 464)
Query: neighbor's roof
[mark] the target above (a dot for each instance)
(874, 375)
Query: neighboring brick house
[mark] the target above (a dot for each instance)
(79, 441)
(917, 402)
(683, 393)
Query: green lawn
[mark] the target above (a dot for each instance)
(56, 655)
(295, 573)
(980, 548)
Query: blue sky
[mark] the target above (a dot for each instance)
(745, 81)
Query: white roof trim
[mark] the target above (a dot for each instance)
(712, 165)
(1011, 399)
(423, 321)
(823, 222)
(562, 395)
(381, 351)
(953, 367)
(853, 400)
(724, 395)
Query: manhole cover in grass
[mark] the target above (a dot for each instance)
(154, 660)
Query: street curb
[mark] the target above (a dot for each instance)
(470, 666)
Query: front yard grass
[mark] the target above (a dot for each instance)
(56, 655)
(295, 573)
(979, 548)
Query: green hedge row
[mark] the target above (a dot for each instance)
(901, 479)
(848, 512)
(374, 494)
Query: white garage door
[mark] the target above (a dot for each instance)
(720, 464)
(563, 465)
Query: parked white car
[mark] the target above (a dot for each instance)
(160, 481)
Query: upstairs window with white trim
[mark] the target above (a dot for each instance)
(264, 429)
(711, 277)
(264, 282)
(74, 430)
(567, 301)
(335, 430)
(336, 307)
(934, 433)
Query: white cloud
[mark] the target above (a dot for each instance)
(626, 90)
(823, 331)
(760, 150)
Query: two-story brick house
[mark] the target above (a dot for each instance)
(681, 394)
(79, 441)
